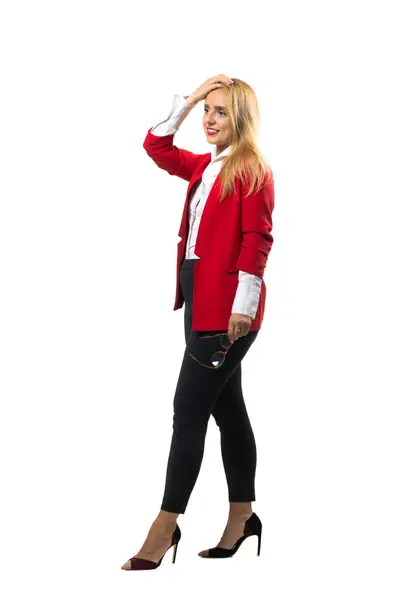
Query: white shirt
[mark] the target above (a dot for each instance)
(249, 285)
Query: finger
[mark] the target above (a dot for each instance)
(224, 82)
(223, 78)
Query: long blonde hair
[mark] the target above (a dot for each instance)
(245, 159)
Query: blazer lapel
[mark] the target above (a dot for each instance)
(210, 207)
(192, 187)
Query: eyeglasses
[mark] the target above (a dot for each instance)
(217, 359)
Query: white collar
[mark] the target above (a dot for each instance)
(214, 156)
(214, 166)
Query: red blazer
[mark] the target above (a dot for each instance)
(233, 235)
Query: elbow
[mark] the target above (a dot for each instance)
(254, 252)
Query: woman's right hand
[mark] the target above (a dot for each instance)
(207, 87)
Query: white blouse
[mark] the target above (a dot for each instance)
(249, 285)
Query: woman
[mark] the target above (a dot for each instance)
(226, 238)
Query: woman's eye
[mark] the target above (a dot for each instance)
(221, 112)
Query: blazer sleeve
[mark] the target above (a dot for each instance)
(169, 157)
(257, 238)
(161, 149)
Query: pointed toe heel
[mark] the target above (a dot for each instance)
(142, 564)
(253, 526)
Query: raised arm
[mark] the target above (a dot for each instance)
(159, 142)
(159, 139)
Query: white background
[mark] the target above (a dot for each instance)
(91, 348)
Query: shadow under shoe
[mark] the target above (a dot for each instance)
(142, 564)
(253, 526)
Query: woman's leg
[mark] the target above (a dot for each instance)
(196, 395)
(238, 446)
(239, 456)
(197, 391)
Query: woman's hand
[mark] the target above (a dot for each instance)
(211, 84)
(240, 322)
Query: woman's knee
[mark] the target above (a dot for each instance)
(189, 426)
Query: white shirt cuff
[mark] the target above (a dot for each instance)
(170, 125)
(247, 294)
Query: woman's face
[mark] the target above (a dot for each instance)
(215, 117)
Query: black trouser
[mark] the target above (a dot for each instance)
(201, 392)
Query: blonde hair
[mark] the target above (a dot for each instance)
(245, 159)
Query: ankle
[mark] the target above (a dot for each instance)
(240, 510)
(166, 519)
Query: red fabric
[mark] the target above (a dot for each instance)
(233, 235)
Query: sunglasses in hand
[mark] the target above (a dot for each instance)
(218, 357)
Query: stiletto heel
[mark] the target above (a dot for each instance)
(141, 564)
(175, 551)
(253, 526)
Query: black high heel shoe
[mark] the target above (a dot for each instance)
(253, 526)
(141, 564)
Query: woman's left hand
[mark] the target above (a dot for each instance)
(240, 322)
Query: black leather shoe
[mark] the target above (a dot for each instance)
(253, 526)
